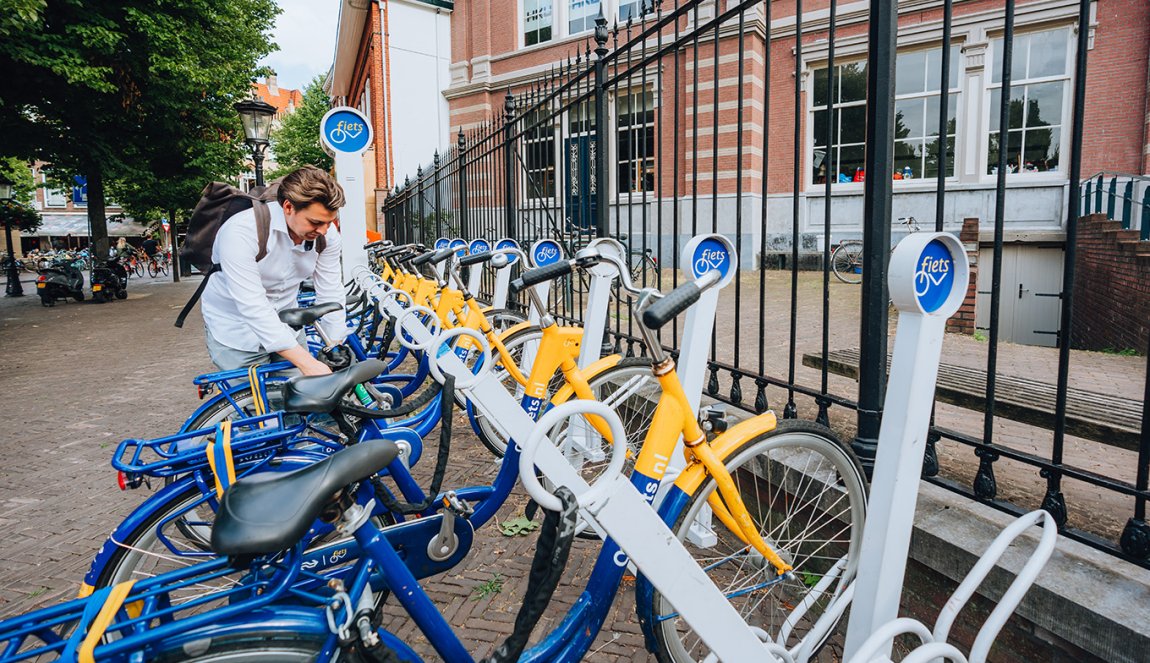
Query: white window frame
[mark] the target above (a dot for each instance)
(957, 64)
(560, 21)
(1067, 77)
(66, 198)
(622, 196)
(809, 179)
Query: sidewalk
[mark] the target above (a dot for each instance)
(79, 377)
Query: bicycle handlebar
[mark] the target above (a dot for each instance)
(475, 258)
(680, 299)
(539, 275)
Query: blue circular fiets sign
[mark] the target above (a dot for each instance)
(345, 130)
(478, 246)
(933, 276)
(508, 244)
(460, 247)
(546, 252)
(442, 243)
(710, 254)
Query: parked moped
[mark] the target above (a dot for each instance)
(109, 280)
(60, 281)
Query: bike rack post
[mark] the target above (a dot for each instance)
(503, 274)
(701, 255)
(440, 244)
(478, 245)
(603, 276)
(928, 278)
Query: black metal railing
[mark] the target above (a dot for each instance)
(1121, 197)
(676, 121)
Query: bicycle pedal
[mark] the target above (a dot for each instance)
(452, 503)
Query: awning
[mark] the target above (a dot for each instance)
(62, 225)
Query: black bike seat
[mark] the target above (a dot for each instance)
(269, 512)
(321, 393)
(297, 318)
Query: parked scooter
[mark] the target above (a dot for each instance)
(60, 281)
(109, 280)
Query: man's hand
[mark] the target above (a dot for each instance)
(307, 364)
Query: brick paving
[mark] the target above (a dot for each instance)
(79, 377)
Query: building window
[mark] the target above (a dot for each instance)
(634, 9)
(539, 146)
(536, 22)
(1039, 100)
(845, 111)
(916, 134)
(581, 15)
(635, 146)
(52, 197)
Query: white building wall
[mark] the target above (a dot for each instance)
(420, 51)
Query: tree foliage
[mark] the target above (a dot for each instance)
(18, 212)
(135, 95)
(296, 142)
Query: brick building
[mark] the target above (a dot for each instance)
(681, 146)
(394, 50)
(285, 101)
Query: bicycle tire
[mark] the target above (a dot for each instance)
(502, 319)
(164, 268)
(139, 268)
(645, 274)
(846, 262)
(793, 457)
(153, 270)
(256, 646)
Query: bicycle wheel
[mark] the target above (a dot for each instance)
(255, 646)
(645, 273)
(806, 492)
(502, 319)
(138, 266)
(164, 268)
(153, 269)
(846, 262)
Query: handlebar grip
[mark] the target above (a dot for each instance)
(423, 258)
(664, 310)
(539, 275)
(475, 258)
(441, 255)
(372, 245)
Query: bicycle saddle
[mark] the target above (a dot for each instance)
(297, 318)
(321, 393)
(269, 512)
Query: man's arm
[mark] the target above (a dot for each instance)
(307, 364)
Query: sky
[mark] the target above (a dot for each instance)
(305, 33)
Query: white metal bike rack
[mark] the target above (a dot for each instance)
(474, 274)
(510, 248)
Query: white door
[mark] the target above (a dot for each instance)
(1030, 304)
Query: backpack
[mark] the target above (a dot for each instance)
(218, 203)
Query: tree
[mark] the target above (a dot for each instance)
(133, 94)
(18, 213)
(296, 142)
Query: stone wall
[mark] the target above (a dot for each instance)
(1111, 287)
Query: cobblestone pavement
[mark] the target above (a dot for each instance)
(79, 377)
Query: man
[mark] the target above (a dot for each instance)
(241, 302)
(150, 247)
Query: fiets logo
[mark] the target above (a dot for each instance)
(934, 276)
(711, 254)
(441, 243)
(935, 268)
(480, 246)
(546, 254)
(352, 129)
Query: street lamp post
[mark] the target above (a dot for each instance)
(14, 289)
(256, 116)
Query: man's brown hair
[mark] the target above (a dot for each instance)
(311, 185)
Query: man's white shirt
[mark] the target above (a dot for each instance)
(241, 301)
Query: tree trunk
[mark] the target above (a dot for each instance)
(97, 215)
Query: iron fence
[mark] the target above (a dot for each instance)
(675, 122)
